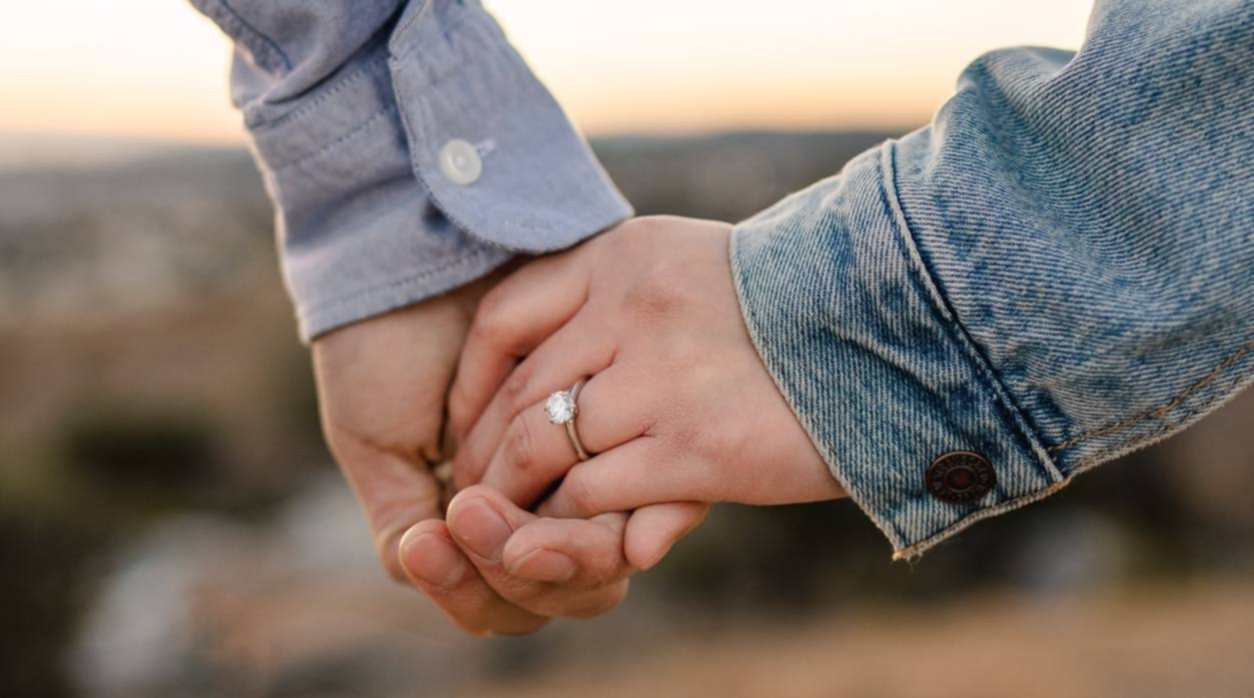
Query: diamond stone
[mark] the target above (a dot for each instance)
(560, 408)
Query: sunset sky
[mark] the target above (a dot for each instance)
(155, 68)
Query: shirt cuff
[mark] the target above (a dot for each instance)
(457, 78)
(865, 349)
(368, 219)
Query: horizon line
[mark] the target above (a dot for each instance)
(19, 136)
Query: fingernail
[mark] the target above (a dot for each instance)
(480, 528)
(433, 559)
(545, 566)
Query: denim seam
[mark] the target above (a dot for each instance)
(222, 12)
(278, 169)
(926, 282)
(399, 281)
(1161, 410)
(914, 551)
(1142, 441)
(1238, 384)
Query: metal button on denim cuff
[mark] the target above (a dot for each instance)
(960, 477)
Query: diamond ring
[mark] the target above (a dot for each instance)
(561, 408)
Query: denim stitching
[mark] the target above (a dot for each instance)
(914, 551)
(1232, 389)
(948, 317)
(1160, 411)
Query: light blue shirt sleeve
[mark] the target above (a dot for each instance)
(407, 148)
(1055, 272)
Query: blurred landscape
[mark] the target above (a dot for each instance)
(172, 525)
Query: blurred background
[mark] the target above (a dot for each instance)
(171, 525)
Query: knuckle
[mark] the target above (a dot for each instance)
(663, 289)
(468, 466)
(519, 447)
(683, 439)
(492, 305)
(581, 493)
(492, 324)
(533, 597)
(644, 226)
(364, 429)
(635, 235)
(459, 408)
(343, 436)
(515, 388)
(604, 568)
(653, 295)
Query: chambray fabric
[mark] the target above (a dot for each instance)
(1058, 270)
(348, 104)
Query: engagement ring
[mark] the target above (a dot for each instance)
(561, 408)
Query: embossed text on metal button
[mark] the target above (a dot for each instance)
(960, 476)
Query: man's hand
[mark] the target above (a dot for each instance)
(382, 385)
(381, 391)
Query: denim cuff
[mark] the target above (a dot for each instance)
(865, 349)
(368, 220)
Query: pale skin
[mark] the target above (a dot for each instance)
(678, 405)
(678, 409)
(382, 385)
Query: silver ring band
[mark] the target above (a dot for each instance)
(571, 431)
(561, 408)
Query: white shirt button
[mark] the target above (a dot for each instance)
(460, 163)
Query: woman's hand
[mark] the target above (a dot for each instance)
(677, 407)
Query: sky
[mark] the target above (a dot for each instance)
(157, 69)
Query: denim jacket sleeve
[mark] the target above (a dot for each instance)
(407, 148)
(1057, 271)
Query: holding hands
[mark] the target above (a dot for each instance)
(676, 412)
(382, 384)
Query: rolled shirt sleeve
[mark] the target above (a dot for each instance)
(1055, 272)
(407, 148)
